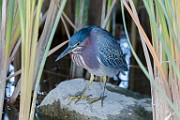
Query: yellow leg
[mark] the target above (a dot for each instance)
(90, 81)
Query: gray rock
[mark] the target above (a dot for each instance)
(120, 104)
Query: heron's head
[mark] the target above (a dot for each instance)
(76, 40)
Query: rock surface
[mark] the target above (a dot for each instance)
(120, 104)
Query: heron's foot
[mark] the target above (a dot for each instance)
(78, 96)
(92, 100)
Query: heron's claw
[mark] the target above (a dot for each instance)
(77, 97)
(92, 100)
(80, 96)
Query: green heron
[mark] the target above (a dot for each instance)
(96, 50)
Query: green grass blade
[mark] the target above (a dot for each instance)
(9, 24)
(0, 11)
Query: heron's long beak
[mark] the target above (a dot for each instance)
(65, 52)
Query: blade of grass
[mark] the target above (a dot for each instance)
(13, 75)
(0, 12)
(85, 12)
(44, 37)
(109, 21)
(16, 29)
(146, 53)
(69, 21)
(3, 59)
(66, 28)
(57, 47)
(155, 96)
(15, 50)
(108, 14)
(170, 20)
(34, 46)
(23, 113)
(9, 24)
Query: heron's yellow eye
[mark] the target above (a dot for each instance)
(76, 44)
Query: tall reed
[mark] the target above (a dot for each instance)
(19, 26)
(165, 51)
(5, 38)
(29, 33)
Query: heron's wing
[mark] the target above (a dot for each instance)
(110, 52)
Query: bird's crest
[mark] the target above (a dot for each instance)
(81, 35)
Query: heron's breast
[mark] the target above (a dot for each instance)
(86, 57)
(85, 60)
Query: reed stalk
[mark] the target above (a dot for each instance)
(45, 56)
(29, 33)
(165, 51)
(109, 21)
(19, 26)
(5, 33)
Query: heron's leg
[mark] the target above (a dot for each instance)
(90, 81)
(102, 97)
(79, 95)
